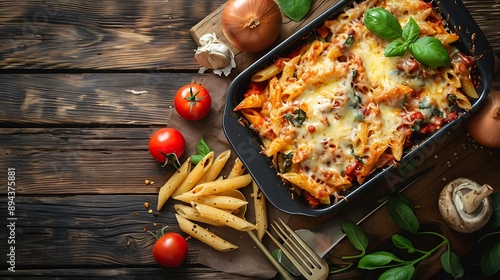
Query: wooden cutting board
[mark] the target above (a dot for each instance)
(212, 24)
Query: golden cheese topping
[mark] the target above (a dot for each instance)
(339, 109)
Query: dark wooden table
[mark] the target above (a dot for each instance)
(75, 131)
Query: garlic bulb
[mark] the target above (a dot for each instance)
(214, 54)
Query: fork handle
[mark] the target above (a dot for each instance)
(281, 270)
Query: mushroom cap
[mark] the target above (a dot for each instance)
(452, 209)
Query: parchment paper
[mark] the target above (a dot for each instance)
(248, 260)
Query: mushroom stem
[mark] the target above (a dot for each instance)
(473, 198)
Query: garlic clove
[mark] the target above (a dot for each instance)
(214, 54)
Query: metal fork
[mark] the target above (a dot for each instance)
(310, 264)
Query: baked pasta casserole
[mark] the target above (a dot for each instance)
(335, 109)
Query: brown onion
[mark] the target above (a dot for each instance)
(251, 25)
(484, 125)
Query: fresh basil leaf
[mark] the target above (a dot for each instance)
(399, 273)
(404, 199)
(451, 264)
(430, 52)
(402, 243)
(495, 217)
(377, 259)
(395, 48)
(411, 31)
(383, 23)
(356, 235)
(490, 260)
(195, 159)
(402, 214)
(202, 149)
(295, 9)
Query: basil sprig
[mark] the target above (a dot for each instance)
(295, 9)
(401, 210)
(427, 50)
(202, 149)
(383, 24)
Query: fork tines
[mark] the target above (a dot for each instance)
(298, 252)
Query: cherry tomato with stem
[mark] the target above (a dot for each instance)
(192, 102)
(170, 249)
(167, 145)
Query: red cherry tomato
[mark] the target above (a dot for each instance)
(170, 250)
(167, 145)
(192, 102)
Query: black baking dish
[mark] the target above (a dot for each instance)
(247, 144)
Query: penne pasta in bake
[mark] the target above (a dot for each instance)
(337, 108)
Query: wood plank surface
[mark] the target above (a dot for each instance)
(94, 35)
(140, 99)
(94, 230)
(103, 160)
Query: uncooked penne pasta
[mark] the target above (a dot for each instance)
(218, 186)
(260, 210)
(237, 170)
(218, 201)
(215, 169)
(204, 235)
(190, 213)
(195, 175)
(222, 216)
(173, 182)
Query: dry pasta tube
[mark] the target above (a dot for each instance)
(196, 174)
(237, 170)
(204, 235)
(221, 216)
(219, 201)
(218, 186)
(173, 182)
(192, 214)
(215, 169)
(260, 210)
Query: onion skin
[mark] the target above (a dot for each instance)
(484, 125)
(251, 25)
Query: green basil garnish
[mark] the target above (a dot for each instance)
(383, 23)
(395, 48)
(411, 31)
(429, 51)
(295, 9)
(297, 118)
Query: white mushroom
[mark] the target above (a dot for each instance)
(465, 205)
